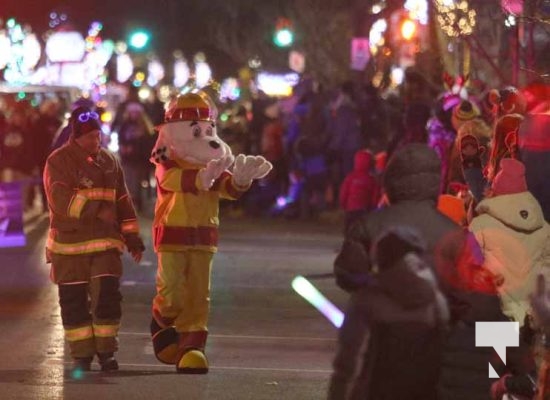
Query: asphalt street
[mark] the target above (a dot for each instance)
(265, 341)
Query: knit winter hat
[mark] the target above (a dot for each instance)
(413, 173)
(83, 121)
(510, 179)
(463, 112)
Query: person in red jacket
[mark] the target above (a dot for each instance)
(360, 190)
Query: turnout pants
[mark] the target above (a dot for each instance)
(90, 308)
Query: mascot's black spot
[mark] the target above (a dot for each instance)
(524, 214)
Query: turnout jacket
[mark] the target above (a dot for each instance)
(78, 186)
(186, 215)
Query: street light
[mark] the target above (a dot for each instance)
(139, 40)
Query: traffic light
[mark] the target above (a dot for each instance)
(139, 39)
(284, 34)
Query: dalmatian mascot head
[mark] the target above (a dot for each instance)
(189, 132)
(189, 135)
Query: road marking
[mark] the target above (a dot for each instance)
(213, 367)
(246, 337)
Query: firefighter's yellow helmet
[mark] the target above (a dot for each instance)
(190, 107)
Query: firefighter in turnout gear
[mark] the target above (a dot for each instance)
(92, 220)
(192, 176)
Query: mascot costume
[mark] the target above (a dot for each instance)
(191, 169)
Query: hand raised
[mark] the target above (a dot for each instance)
(213, 170)
(248, 168)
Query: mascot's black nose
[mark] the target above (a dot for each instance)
(214, 144)
(524, 214)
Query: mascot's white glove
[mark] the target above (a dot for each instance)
(248, 168)
(213, 170)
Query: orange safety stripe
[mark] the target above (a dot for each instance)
(129, 226)
(89, 246)
(106, 330)
(76, 334)
(98, 194)
(76, 205)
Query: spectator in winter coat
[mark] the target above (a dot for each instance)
(466, 119)
(534, 150)
(411, 182)
(403, 316)
(514, 237)
(44, 129)
(360, 191)
(136, 140)
(17, 162)
(16, 146)
(271, 144)
(345, 133)
(540, 303)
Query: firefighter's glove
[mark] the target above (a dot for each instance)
(135, 246)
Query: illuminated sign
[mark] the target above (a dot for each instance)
(65, 47)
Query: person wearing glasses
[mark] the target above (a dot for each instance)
(92, 220)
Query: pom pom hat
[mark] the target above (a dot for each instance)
(510, 179)
(464, 112)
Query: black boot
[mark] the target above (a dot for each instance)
(82, 364)
(107, 362)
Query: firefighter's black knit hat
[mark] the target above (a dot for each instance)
(84, 120)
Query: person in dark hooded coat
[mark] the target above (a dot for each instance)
(402, 317)
(411, 182)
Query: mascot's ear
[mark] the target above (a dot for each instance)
(159, 155)
(161, 150)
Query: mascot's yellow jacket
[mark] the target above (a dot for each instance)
(186, 215)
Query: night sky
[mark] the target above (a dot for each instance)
(174, 24)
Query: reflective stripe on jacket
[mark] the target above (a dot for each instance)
(78, 188)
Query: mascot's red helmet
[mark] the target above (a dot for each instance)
(190, 107)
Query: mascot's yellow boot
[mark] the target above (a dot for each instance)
(192, 359)
(165, 342)
(193, 362)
